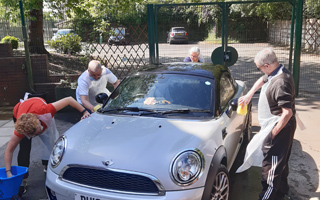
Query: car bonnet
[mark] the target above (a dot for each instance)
(143, 144)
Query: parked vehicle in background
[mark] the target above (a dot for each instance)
(120, 36)
(177, 35)
(62, 32)
(169, 132)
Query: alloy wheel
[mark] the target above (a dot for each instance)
(220, 190)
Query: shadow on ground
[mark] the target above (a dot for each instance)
(247, 185)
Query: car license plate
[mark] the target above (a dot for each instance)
(86, 197)
(179, 33)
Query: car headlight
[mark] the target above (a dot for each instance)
(58, 151)
(187, 167)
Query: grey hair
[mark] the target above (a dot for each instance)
(265, 56)
(195, 50)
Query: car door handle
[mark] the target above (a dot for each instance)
(224, 132)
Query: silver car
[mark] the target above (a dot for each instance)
(61, 32)
(177, 35)
(167, 132)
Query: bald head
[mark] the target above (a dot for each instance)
(94, 69)
(94, 66)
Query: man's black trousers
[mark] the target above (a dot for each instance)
(275, 167)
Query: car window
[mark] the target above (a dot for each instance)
(164, 92)
(178, 30)
(226, 89)
(63, 32)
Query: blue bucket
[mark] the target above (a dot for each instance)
(10, 186)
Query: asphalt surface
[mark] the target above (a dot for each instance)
(304, 162)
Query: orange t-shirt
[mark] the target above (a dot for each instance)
(37, 106)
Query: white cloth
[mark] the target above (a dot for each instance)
(254, 154)
(48, 137)
(88, 87)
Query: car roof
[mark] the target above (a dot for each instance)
(176, 27)
(201, 69)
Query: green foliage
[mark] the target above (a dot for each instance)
(90, 29)
(68, 43)
(312, 8)
(11, 39)
(88, 51)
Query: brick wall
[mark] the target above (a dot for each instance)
(5, 50)
(14, 79)
(13, 82)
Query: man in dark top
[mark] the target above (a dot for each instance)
(276, 113)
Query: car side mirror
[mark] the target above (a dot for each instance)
(234, 104)
(101, 98)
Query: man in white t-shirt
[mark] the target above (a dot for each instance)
(92, 82)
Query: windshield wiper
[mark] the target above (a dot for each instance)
(134, 109)
(145, 111)
(185, 111)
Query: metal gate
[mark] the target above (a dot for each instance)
(212, 26)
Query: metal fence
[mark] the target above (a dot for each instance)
(246, 35)
(120, 57)
(16, 31)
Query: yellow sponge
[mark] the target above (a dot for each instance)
(96, 108)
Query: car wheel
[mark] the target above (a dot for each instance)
(221, 185)
(248, 128)
(170, 41)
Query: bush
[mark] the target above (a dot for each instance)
(68, 43)
(10, 39)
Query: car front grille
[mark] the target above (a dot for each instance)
(111, 180)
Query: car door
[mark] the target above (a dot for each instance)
(232, 121)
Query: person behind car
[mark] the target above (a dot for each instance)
(276, 113)
(34, 117)
(92, 82)
(194, 55)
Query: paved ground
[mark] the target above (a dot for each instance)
(304, 163)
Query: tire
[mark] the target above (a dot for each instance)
(221, 186)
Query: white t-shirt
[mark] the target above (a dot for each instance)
(91, 88)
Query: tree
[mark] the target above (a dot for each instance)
(33, 10)
(35, 33)
(312, 8)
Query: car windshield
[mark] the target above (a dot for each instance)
(178, 30)
(64, 32)
(119, 31)
(163, 95)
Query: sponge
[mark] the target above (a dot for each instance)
(96, 108)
